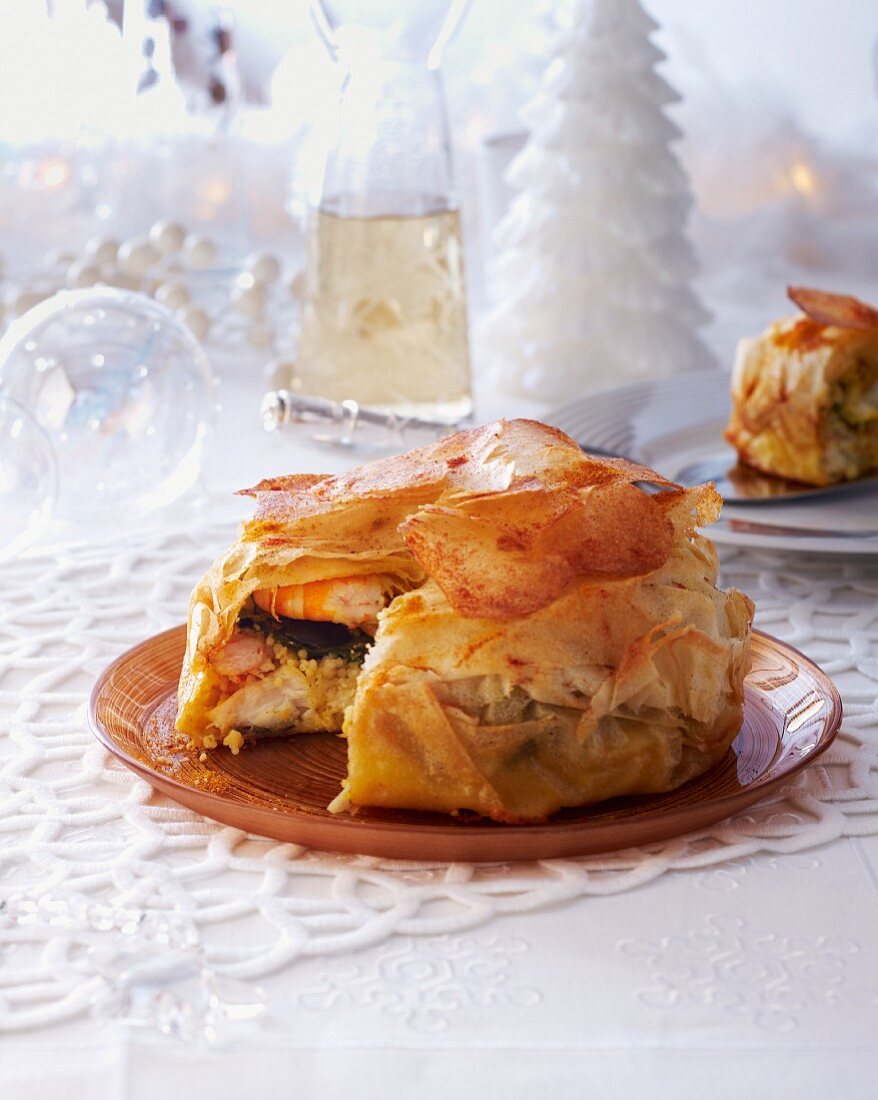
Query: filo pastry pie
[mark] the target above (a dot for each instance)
(805, 392)
(498, 623)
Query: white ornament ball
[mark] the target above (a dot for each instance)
(196, 320)
(263, 266)
(249, 300)
(261, 334)
(23, 300)
(172, 295)
(60, 257)
(102, 250)
(279, 374)
(167, 236)
(297, 285)
(199, 251)
(124, 280)
(151, 283)
(83, 273)
(137, 255)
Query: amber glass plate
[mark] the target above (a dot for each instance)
(280, 788)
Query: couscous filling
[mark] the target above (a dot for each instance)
(292, 662)
(282, 674)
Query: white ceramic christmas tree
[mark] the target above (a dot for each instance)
(592, 282)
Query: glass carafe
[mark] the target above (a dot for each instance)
(384, 317)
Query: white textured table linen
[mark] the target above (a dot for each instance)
(743, 958)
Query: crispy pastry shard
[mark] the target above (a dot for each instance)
(553, 635)
(805, 393)
(840, 310)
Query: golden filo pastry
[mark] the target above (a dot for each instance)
(805, 392)
(500, 624)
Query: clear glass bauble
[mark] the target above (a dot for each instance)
(124, 392)
(28, 477)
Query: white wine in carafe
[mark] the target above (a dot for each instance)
(384, 320)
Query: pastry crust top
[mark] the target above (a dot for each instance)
(503, 517)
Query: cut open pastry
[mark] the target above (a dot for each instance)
(805, 392)
(499, 623)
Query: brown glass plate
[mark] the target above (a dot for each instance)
(280, 788)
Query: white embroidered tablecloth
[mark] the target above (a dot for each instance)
(144, 948)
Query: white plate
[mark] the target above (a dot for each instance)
(671, 423)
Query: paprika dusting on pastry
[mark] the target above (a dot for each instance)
(804, 335)
(498, 623)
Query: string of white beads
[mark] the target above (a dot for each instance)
(160, 262)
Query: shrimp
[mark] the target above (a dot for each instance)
(244, 654)
(353, 601)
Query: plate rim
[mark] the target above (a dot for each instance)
(348, 826)
(850, 544)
